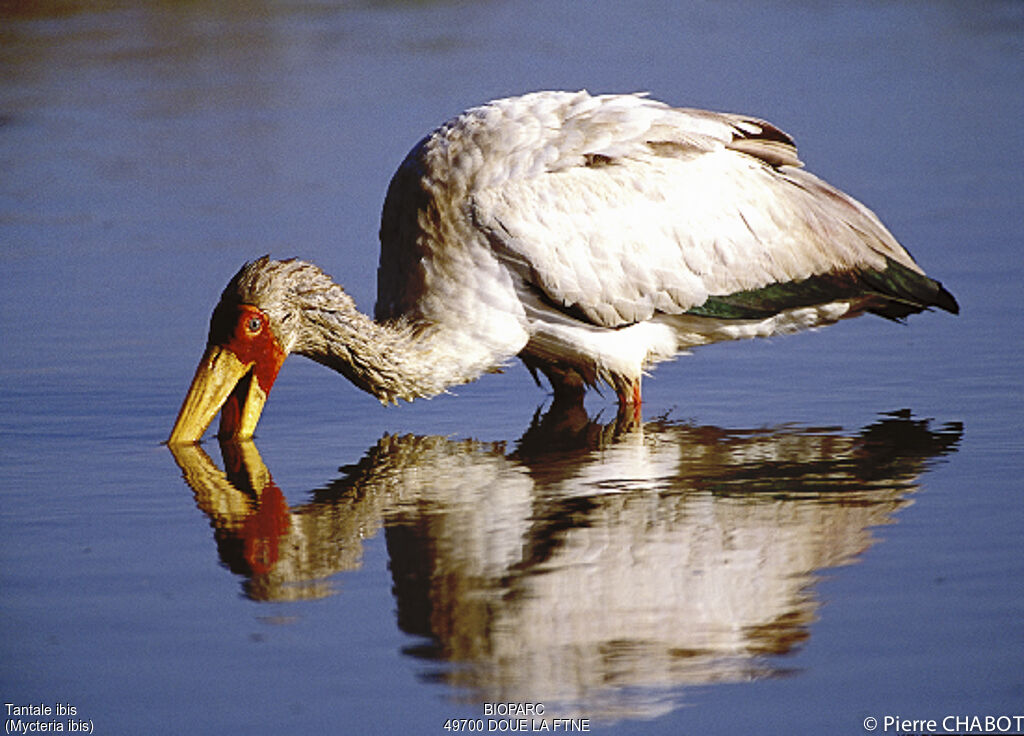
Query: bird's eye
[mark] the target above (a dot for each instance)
(254, 326)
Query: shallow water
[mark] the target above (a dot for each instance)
(804, 533)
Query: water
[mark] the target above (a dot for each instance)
(807, 531)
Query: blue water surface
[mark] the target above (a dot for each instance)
(807, 532)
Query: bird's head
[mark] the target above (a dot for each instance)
(253, 328)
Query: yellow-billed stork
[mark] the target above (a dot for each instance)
(592, 236)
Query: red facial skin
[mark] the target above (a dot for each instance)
(262, 531)
(245, 331)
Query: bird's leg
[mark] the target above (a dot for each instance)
(569, 391)
(567, 385)
(630, 403)
(628, 391)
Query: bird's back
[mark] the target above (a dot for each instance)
(601, 212)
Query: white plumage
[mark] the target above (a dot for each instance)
(592, 236)
(582, 229)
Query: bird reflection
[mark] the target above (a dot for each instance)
(594, 566)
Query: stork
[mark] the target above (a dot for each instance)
(591, 236)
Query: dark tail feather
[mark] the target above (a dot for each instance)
(894, 292)
(905, 292)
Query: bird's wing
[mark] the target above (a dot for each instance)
(618, 207)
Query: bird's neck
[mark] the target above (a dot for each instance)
(391, 360)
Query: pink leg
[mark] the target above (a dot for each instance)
(630, 401)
